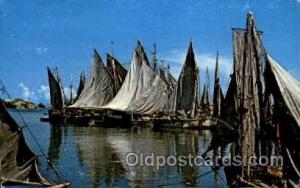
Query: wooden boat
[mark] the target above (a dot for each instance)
(248, 108)
(176, 123)
(18, 163)
(56, 112)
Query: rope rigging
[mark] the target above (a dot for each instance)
(25, 125)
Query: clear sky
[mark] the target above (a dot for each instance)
(37, 33)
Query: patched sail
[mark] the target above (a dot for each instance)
(98, 88)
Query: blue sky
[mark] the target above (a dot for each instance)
(36, 33)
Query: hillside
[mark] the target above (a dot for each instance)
(22, 104)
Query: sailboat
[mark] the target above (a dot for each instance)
(56, 112)
(205, 99)
(18, 163)
(212, 116)
(143, 91)
(250, 111)
(98, 90)
(186, 97)
(187, 86)
(218, 96)
(282, 92)
(246, 88)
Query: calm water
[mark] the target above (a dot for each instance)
(95, 157)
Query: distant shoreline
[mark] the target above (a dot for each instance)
(20, 104)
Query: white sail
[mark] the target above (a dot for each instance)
(289, 88)
(143, 90)
(98, 88)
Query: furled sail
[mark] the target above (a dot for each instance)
(117, 72)
(56, 91)
(244, 96)
(18, 163)
(284, 86)
(187, 85)
(98, 88)
(218, 94)
(143, 90)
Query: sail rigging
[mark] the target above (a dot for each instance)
(18, 162)
(244, 96)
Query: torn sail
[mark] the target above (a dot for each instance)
(187, 85)
(98, 88)
(143, 90)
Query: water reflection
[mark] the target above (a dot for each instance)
(55, 143)
(97, 154)
(95, 157)
(103, 151)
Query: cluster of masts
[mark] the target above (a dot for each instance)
(158, 65)
(107, 80)
(253, 96)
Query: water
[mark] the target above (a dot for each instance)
(95, 157)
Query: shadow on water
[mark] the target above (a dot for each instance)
(95, 157)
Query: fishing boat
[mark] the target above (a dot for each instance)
(99, 89)
(143, 92)
(249, 112)
(19, 165)
(187, 86)
(57, 97)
